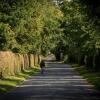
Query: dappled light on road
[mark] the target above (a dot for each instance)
(59, 82)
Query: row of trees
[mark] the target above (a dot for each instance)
(29, 26)
(81, 33)
(70, 27)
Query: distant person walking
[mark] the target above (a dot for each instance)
(42, 66)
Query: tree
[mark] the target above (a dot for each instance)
(32, 25)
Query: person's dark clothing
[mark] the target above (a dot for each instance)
(42, 66)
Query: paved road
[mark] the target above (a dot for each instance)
(60, 82)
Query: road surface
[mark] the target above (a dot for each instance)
(59, 82)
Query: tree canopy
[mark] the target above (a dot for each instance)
(81, 38)
(28, 25)
(70, 27)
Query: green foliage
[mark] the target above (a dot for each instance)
(35, 26)
(32, 25)
(80, 32)
(7, 36)
(51, 31)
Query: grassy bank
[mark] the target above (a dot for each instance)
(8, 83)
(92, 77)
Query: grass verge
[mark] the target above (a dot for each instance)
(8, 83)
(92, 77)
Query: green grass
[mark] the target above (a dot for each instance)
(92, 77)
(8, 83)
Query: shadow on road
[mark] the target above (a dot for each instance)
(59, 82)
